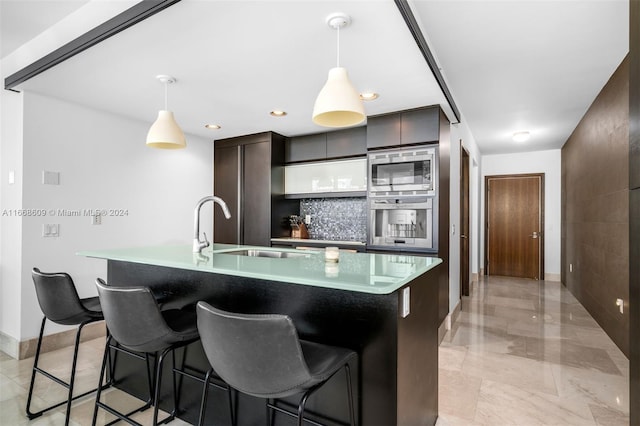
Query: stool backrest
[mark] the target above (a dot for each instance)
(259, 355)
(57, 296)
(133, 317)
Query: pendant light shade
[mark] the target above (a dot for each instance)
(338, 104)
(165, 132)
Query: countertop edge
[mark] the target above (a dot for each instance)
(113, 256)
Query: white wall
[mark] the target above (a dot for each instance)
(10, 226)
(103, 164)
(549, 163)
(461, 132)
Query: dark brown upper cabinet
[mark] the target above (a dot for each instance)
(420, 125)
(306, 148)
(350, 142)
(347, 143)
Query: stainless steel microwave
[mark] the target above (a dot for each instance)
(404, 171)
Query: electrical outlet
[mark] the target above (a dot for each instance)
(307, 219)
(406, 302)
(620, 304)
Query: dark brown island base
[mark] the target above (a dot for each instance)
(383, 306)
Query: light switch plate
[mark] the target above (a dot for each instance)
(50, 178)
(50, 230)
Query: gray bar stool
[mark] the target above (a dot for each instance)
(60, 303)
(138, 327)
(262, 356)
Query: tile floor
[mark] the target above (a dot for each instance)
(522, 353)
(14, 385)
(526, 352)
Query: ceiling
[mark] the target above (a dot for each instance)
(22, 20)
(510, 65)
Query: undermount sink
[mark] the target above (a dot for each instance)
(267, 253)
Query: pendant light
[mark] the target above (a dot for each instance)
(165, 132)
(338, 104)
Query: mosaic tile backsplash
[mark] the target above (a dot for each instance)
(340, 219)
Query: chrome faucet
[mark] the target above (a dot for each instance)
(197, 244)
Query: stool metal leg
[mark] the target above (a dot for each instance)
(69, 386)
(205, 394)
(303, 402)
(272, 406)
(106, 358)
(107, 349)
(158, 385)
(31, 415)
(352, 417)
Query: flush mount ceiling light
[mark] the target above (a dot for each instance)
(521, 136)
(165, 132)
(212, 126)
(338, 104)
(369, 96)
(278, 113)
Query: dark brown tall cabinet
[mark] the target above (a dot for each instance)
(249, 175)
(418, 126)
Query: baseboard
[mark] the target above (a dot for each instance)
(552, 277)
(50, 342)
(455, 314)
(9, 345)
(449, 320)
(442, 330)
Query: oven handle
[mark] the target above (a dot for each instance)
(378, 205)
(400, 159)
(402, 201)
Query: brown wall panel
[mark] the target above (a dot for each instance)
(595, 208)
(634, 209)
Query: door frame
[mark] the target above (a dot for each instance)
(465, 194)
(541, 218)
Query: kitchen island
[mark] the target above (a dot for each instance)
(383, 306)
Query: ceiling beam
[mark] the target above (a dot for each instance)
(120, 22)
(414, 28)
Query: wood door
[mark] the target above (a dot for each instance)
(514, 224)
(464, 221)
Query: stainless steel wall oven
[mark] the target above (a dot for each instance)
(403, 199)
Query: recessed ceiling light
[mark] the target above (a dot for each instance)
(521, 136)
(212, 126)
(278, 113)
(368, 96)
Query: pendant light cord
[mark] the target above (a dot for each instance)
(166, 96)
(338, 48)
